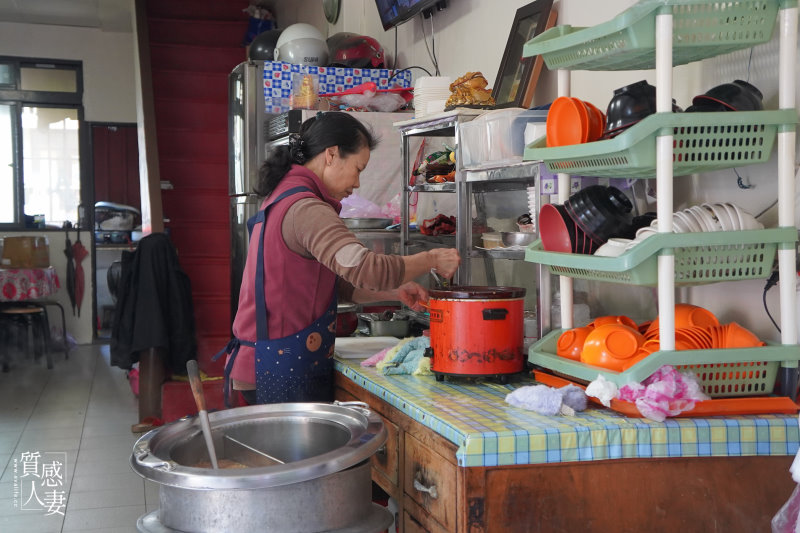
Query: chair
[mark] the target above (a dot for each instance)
(32, 331)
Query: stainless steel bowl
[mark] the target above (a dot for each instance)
(517, 238)
(367, 223)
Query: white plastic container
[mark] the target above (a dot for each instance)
(497, 137)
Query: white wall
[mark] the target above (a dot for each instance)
(108, 83)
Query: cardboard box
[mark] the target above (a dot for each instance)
(278, 81)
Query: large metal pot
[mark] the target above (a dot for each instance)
(306, 469)
(477, 331)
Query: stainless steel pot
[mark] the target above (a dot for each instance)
(305, 469)
(367, 223)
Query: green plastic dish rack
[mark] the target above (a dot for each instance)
(701, 29)
(700, 258)
(701, 142)
(723, 372)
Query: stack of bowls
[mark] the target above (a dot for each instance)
(720, 216)
(601, 212)
(429, 92)
(586, 221)
(697, 328)
(560, 233)
(573, 121)
(611, 342)
(736, 96)
(629, 105)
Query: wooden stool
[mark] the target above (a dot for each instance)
(32, 320)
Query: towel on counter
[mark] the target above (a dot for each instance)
(548, 400)
(390, 354)
(378, 357)
(408, 359)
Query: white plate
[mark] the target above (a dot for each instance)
(733, 216)
(690, 220)
(725, 222)
(362, 347)
(715, 223)
(679, 224)
(703, 217)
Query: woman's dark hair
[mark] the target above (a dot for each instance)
(316, 134)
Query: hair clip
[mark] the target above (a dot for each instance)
(319, 114)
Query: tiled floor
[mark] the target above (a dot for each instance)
(83, 409)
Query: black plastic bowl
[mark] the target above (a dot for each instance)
(629, 105)
(601, 212)
(560, 233)
(736, 96)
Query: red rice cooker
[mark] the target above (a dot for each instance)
(477, 331)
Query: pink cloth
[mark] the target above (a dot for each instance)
(377, 358)
(298, 290)
(18, 284)
(665, 393)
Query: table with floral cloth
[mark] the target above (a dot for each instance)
(21, 284)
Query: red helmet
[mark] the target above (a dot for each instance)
(353, 50)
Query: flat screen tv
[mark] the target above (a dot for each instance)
(394, 12)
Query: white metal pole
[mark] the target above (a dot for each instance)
(787, 80)
(664, 150)
(565, 285)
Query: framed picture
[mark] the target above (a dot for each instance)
(516, 79)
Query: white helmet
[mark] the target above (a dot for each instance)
(302, 44)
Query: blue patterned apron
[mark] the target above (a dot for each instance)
(295, 368)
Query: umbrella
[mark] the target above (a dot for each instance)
(70, 271)
(79, 253)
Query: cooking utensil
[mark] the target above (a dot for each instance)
(517, 238)
(247, 455)
(367, 223)
(202, 414)
(327, 450)
(441, 283)
(477, 331)
(382, 326)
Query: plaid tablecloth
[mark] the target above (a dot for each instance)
(18, 284)
(489, 432)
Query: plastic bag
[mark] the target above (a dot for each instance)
(354, 206)
(785, 521)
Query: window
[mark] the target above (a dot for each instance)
(41, 120)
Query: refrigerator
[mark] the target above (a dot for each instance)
(253, 133)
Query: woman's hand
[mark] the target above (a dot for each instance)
(412, 294)
(445, 261)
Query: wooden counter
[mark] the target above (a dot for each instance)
(738, 485)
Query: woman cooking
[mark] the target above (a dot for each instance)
(285, 325)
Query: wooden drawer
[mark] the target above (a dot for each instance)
(386, 459)
(412, 525)
(432, 471)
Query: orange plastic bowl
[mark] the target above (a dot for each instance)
(570, 343)
(614, 319)
(567, 123)
(597, 122)
(611, 346)
(687, 316)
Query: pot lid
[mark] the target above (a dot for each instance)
(346, 307)
(310, 439)
(478, 293)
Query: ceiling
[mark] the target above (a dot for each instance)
(106, 15)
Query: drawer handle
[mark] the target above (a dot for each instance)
(381, 453)
(422, 488)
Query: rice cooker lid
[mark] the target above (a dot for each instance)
(478, 293)
(152, 453)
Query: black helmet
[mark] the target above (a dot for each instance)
(263, 46)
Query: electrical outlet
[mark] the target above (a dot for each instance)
(548, 186)
(574, 184)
